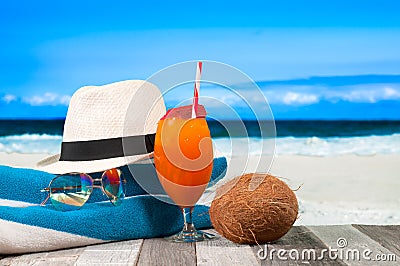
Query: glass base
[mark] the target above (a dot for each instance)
(189, 233)
(190, 236)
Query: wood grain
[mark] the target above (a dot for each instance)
(299, 245)
(387, 235)
(121, 253)
(158, 251)
(379, 239)
(355, 240)
(221, 251)
(56, 258)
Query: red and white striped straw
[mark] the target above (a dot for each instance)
(196, 90)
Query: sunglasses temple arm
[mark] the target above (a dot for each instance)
(46, 199)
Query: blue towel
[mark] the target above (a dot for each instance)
(24, 185)
(27, 227)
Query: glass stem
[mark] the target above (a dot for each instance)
(188, 226)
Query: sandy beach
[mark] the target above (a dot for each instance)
(344, 189)
(341, 189)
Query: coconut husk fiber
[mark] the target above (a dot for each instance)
(254, 214)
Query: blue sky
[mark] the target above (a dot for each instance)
(51, 48)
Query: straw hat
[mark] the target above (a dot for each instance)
(98, 132)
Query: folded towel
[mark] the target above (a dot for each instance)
(27, 227)
(35, 228)
(25, 185)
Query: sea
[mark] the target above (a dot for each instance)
(293, 137)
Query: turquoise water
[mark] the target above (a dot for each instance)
(318, 138)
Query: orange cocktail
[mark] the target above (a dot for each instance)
(183, 156)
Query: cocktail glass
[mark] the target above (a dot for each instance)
(183, 157)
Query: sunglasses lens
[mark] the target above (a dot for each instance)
(114, 185)
(70, 191)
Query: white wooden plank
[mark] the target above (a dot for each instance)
(115, 253)
(216, 252)
(351, 239)
(57, 258)
(221, 251)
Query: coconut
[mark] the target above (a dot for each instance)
(254, 208)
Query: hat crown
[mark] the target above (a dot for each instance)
(100, 112)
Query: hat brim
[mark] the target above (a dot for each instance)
(53, 164)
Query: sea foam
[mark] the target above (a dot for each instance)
(314, 146)
(310, 146)
(31, 143)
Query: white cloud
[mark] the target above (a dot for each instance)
(364, 93)
(303, 95)
(390, 93)
(48, 98)
(292, 95)
(368, 96)
(296, 95)
(291, 98)
(9, 98)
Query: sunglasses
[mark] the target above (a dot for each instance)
(71, 191)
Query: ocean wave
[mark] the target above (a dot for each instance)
(31, 143)
(313, 146)
(309, 146)
(33, 137)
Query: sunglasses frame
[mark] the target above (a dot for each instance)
(93, 180)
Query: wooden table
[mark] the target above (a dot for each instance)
(383, 240)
